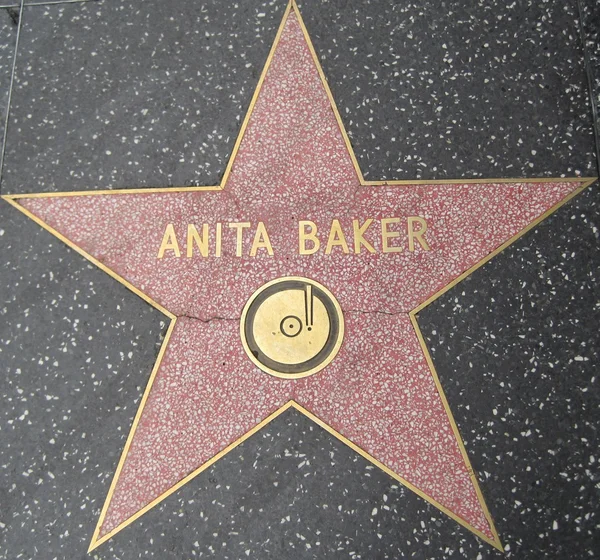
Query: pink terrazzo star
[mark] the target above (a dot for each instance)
(380, 394)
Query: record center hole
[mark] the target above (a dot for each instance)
(290, 326)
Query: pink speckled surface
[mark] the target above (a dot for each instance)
(293, 165)
(378, 392)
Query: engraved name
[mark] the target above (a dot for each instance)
(386, 235)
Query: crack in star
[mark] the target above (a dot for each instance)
(209, 319)
(376, 312)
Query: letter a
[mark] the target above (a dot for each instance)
(169, 241)
(261, 240)
(336, 238)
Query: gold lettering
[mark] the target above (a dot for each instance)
(336, 238)
(358, 236)
(240, 227)
(304, 236)
(169, 242)
(261, 240)
(416, 234)
(194, 237)
(309, 242)
(218, 237)
(387, 235)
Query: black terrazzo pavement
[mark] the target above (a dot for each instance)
(293, 492)
(129, 94)
(591, 31)
(76, 349)
(17, 3)
(168, 83)
(458, 89)
(516, 345)
(9, 19)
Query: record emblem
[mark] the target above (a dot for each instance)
(292, 327)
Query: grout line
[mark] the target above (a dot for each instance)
(590, 79)
(10, 89)
(52, 2)
(49, 3)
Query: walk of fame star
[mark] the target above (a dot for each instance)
(295, 283)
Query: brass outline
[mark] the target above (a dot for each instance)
(312, 371)
(12, 199)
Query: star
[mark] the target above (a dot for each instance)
(294, 203)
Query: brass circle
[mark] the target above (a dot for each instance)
(292, 327)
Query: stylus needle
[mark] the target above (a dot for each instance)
(308, 306)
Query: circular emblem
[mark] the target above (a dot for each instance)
(292, 327)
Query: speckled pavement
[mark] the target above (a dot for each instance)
(117, 95)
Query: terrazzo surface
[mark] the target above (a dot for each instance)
(166, 114)
(68, 394)
(9, 19)
(459, 90)
(432, 96)
(515, 344)
(517, 353)
(590, 29)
